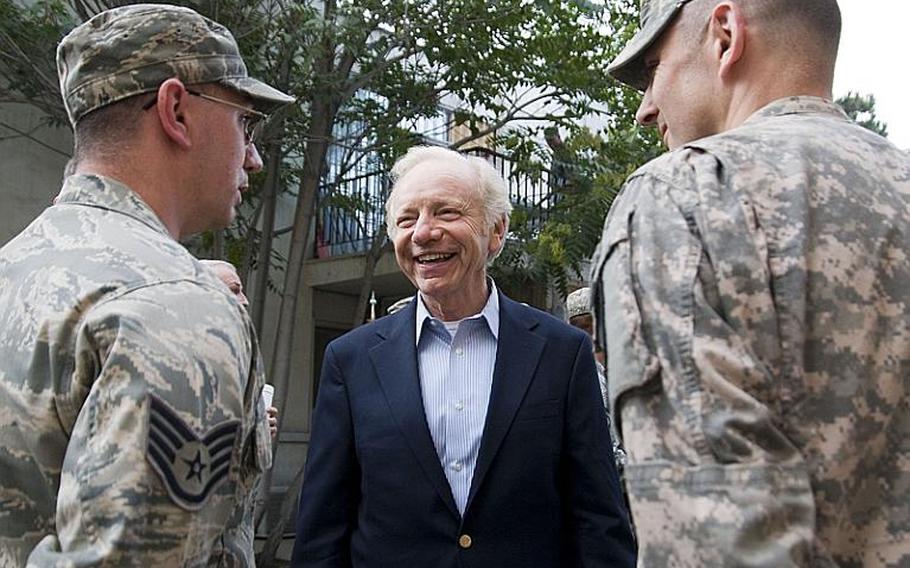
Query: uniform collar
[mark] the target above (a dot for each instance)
(94, 190)
(798, 105)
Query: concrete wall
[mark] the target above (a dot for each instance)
(31, 171)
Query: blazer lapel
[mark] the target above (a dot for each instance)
(395, 361)
(516, 360)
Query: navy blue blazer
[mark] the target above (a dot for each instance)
(545, 492)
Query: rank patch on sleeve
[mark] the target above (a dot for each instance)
(190, 466)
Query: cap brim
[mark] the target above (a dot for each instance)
(264, 97)
(629, 67)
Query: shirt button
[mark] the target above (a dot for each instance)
(465, 541)
(457, 466)
(459, 351)
(459, 406)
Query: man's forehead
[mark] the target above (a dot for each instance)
(437, 180)
(434, 168)
(222, 268)
(654, 50)
(656, 17)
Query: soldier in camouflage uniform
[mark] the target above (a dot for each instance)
(130, 429)
(752, 287)
(578, 314)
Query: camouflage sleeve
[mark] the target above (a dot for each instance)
(712, 479)
(170, 439)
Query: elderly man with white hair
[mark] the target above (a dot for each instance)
(465, 430)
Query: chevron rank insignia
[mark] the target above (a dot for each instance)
(191, 466)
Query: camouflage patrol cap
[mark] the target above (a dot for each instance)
(656, 16)
(131, 50)
(578, 303)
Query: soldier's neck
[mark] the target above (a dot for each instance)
(160, 198)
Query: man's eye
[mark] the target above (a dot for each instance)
(252, 127)
(650, 68)
(404, 222)
(449, 214)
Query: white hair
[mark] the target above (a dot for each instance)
(494, 193)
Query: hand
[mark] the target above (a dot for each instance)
(272, 413)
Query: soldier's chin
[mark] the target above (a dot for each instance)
(232, 215)
(224, 223)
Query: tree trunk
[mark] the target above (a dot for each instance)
(377, 248)
(218, 244)
(269, 196)
(324, 105)
(324, 111)
(246, 264)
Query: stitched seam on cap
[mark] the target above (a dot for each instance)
(151, 64)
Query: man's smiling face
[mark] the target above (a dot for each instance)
(442, 240)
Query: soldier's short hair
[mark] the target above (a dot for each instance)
(821, 18)
(815, 21)
(107, 131)
(810, 28)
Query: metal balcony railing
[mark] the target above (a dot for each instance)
(352, 211)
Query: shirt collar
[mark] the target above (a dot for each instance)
(490, 312)
(107, 193)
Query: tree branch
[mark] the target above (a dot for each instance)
(29, 136)
(512, 115)
(51, 86)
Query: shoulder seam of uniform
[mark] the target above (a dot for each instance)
(129, 288)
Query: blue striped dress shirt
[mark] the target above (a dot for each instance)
(456, 376)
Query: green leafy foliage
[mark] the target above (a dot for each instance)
(28, 40)
(592, 161)
(553, 245)
(507, 69)
(862, 110)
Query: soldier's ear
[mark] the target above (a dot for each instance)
(727, 34)
(171, 112)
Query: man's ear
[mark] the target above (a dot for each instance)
(727, 33)
(498, 234)
(170, 109)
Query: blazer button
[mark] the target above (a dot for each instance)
(465, 541)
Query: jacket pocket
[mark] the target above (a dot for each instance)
(740, 515)
(539, 410)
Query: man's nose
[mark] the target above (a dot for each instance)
(647, 110)
(425, 231)
(252, 161)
